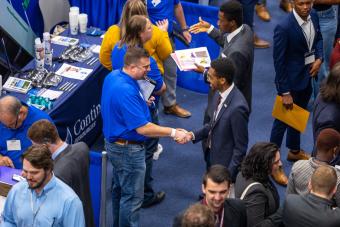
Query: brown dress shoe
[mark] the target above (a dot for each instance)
(177, 111)
(280, 177)
(260, 43)
(262, 12)
(294, 155)
(286, 6)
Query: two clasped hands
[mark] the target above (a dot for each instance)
(182, 136)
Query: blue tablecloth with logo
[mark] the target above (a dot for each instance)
(77, 113)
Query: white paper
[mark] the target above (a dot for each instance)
(96, 49)
(146, 88)
(186, 59)
(13, 145)
(73, 72)
(51, 94)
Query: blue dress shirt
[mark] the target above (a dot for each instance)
(56, 205)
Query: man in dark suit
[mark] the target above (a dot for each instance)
(71, 162)
(297, 59)
(236, 40)
(227, 132)
(216, 188)
(315, 208)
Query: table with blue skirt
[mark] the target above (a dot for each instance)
(76, 113)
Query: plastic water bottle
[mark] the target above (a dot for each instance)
(48, 51)
(39, 55)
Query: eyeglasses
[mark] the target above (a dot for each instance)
(145, 67)
(14, 125)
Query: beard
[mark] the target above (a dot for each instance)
(39, 183)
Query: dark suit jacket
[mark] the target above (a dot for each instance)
(261, 200)
(72, 167)
(241, 51)
(290, 46)
(229, 138)
(309, 211)
(235, 214)
(325, 115)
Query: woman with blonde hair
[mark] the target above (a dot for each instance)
(159, 46)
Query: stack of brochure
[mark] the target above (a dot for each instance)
(186, 59)
(64, 41)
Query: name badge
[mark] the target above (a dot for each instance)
(155, 2)
(13, 145)
(309, 57)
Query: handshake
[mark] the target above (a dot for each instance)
(182, 136)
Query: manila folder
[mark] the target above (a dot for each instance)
(296, 118)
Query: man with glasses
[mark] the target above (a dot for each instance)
(15, 119)
(126, 126)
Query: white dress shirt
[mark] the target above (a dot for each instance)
(307, 29)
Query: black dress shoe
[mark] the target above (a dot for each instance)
(159, 196)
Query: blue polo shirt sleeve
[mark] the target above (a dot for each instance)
(176, 2)
(155, 74)
(133, 110)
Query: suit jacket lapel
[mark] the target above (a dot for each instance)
(228, 44)
(225, 105)
(316, 27)
(298, 29)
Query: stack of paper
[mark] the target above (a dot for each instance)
(186, 59)
(64, 41)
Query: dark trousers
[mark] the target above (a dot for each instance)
(150, 148)
(248, 11)
(300, 98)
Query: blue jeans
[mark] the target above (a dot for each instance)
(279, 128)
(151, 145)
(328, 26)
(128, 163)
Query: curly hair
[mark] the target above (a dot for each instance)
(258, 163)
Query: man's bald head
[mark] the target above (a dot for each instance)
(10, 105)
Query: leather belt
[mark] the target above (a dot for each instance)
(126, 142)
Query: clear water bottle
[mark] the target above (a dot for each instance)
(48, 51)
(39, 55)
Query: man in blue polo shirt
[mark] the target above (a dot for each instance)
(15, 120)
(126, 125)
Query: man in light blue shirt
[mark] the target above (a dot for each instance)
(42, 200)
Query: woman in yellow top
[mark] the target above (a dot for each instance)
(159, 46)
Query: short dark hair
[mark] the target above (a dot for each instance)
(258, 163)
(39, 156)
(224, 68)
(330, 89)
(327, 139)
(134, 54)
(198, 215)
(232, 10)
(43, 131)
(218, 174)
(324, 180)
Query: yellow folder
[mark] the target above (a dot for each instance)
(296, 118)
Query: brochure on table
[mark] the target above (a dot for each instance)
(74, 72)
(186, 59)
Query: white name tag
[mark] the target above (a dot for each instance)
(155, 2)
(309, 57)
(13, 145)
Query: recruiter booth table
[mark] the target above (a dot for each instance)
(76, 113)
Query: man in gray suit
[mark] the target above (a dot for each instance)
(236, 40)
(315, 208)
(71, 162)
(227, 132)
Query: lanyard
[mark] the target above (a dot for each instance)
(308, 38)
(38, 209)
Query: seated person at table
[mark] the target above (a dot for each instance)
(15, 119)
(71, 162)
(42, 200)
(138, 31)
